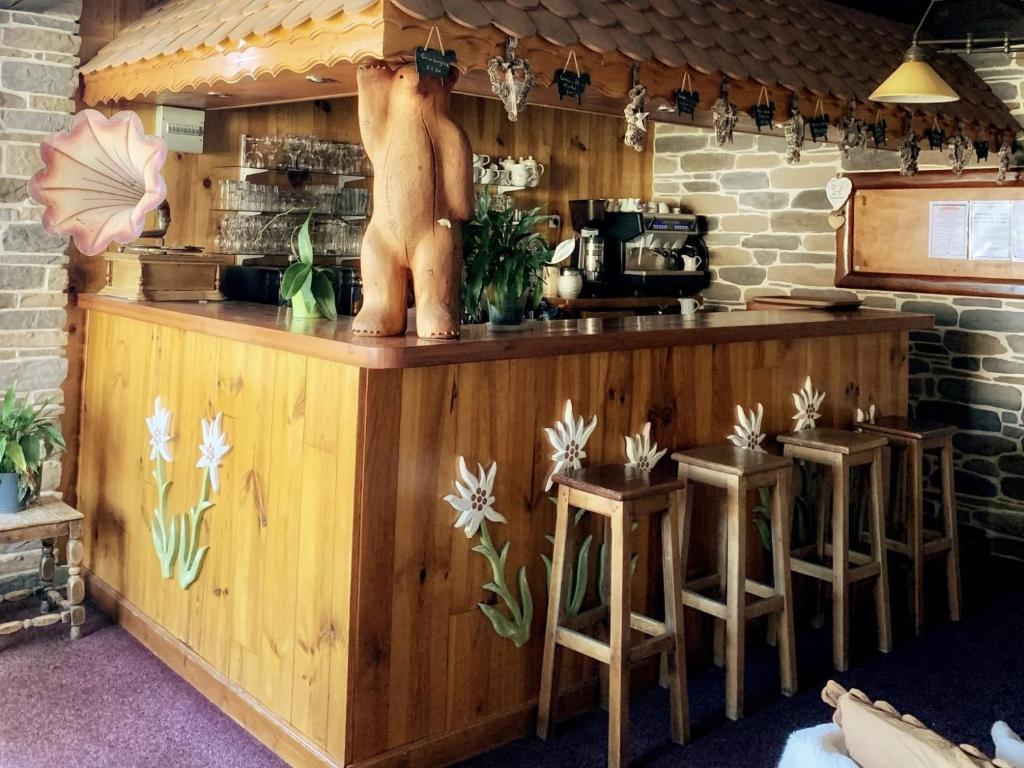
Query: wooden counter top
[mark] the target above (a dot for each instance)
(269, 326)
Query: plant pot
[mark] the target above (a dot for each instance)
(9, 501)
(506, 313)
(302, 308)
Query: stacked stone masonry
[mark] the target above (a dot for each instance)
(769, 234)
(39, 46)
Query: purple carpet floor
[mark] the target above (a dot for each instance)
(106, 702)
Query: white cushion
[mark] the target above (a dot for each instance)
(821, 746)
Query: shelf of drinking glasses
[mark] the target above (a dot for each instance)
(295, 175)
(296, 213)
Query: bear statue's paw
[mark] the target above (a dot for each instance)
(378, 323)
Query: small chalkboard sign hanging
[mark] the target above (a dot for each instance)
(764, 111)
(879, 129)
(819, 123)
(687, 98)
(935, 135)
(571, 83)
(981, 151)
(434, 62)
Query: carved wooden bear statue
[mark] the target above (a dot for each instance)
(422, 192)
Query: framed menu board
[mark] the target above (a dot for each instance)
(933, 233)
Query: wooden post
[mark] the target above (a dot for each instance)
(422, 192)
(76, 585)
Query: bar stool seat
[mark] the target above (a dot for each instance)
(739, 471)
(838, 451)
(620, 494)
(913, 438)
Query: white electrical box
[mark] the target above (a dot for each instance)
(181, 128)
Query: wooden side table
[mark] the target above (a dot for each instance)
(47, 521)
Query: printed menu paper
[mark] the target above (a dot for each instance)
(947, 230)
(989, 230)
(1017, 230)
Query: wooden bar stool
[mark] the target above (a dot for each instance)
(913, 438)
(739, 471)
(838, 451)
(621, 494)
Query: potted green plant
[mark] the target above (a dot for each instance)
(28, 436)
(307, 285)
(503, 254)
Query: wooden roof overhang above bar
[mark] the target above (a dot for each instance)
(227, 53)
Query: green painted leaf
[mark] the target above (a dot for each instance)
(501, 625)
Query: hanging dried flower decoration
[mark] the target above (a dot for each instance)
(636, 117)
(1005, 160)
(808, 406)
(852, 131)
(909, 152)
(724, 116)
(511, 79)
(795, 130)
(960, 151)
(747, 430)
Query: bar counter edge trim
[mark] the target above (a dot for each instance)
(518, 347)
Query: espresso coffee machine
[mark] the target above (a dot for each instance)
(654, 254)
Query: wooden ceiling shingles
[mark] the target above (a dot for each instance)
(801, 45)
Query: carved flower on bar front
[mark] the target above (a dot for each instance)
(641, 452)
(866, 417)
(747, 431)
(475, 500)
(159, 425)
(808, 404)
(568, 438)
(212, 450)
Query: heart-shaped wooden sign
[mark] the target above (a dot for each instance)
(838, 191)
(835, 221)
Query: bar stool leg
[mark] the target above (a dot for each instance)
(840, 565)
(723, 581)
(736, 591)
(915, 531)
(602, 671)
(949, 513)
(782, 503)
(821, 511)
(878, 551)
(556, 613)
(673, 585)
(618, 667)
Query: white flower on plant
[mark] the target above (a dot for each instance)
(476, 499)
(568, 438)
(159, 425)
(747, 432)
(866, 417)
(641, 452)
(212, 450)
(808, 403)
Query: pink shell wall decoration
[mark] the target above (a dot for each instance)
(99, 180)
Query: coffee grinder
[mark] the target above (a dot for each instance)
(588, 257)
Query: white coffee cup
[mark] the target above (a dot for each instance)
(523, 175)
(489, 175)
(481, 160)
(688, 306)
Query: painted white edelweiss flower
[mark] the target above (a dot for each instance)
(808, 402)
(568, 438)
(865, 417)
(641, 452)
(212, 450)
(159, 425)
(475, 499)
(747, 432)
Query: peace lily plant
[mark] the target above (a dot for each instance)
(28, 436)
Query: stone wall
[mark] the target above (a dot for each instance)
(769, 234)
(39, 46)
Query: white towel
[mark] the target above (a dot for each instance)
(821, 746)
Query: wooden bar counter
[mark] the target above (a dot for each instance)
(336, 615)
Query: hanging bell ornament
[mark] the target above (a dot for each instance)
(794, 130)
(724, 116)
(511, 80)
(909, 151)
(1005, 160)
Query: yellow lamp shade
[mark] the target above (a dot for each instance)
(914, 82)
